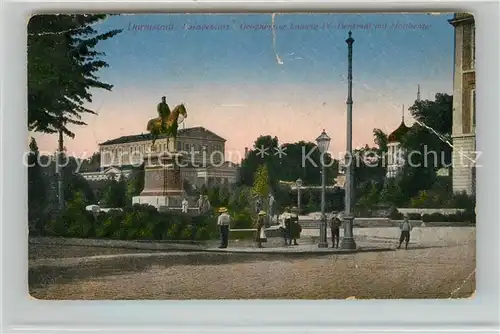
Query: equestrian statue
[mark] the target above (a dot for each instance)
(167, 121)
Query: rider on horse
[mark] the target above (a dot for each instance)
(163, 112)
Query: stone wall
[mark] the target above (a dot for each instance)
(463, 152)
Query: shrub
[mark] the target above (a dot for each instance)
(242, 219)
(414, 216)
(459, 217)
(434, 217)
(137, 222)
(395, 214)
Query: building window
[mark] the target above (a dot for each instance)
(179, 146)
(473, 109)
(473, 47)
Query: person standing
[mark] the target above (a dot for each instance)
(260, 235)
(270, 210)
(223, 223)
(185, 205)
(285, 225)
(207, 207)
(335, 227)
(405, 228)
(199, 204)
(295, 228)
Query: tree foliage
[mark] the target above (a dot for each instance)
(297, 160)
(136, 182)
(115, 195)
(62, 69)
(427, 150)
(37, 193)
(380, 139)
(261, 186)
(92, 164)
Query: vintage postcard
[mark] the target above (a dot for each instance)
(252, 156)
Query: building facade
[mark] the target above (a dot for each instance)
(464, 104)
(204, 153)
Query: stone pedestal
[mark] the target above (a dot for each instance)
(347, 241)
(163, 186)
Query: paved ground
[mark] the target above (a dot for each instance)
(443, 267)
(41, 251)
(421, 273)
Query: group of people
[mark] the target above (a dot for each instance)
(405, 228)
(203, 205)
(289, 224)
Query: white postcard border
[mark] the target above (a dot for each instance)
(23, 314)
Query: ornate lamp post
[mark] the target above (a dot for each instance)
(323, 142)
(348, 239)
(298, 183)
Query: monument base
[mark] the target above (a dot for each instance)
(162, 181)
(161, 203)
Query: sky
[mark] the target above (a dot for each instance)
(240, 78)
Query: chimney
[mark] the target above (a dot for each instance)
(246, 152)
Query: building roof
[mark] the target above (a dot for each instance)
(194, 132)
(399, 133)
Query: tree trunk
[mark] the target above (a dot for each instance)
(60, 175)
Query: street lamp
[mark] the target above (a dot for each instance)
(323, 142)
(348, 239)
(298, 183)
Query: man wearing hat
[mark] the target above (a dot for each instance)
(260, 236)
(405, 228)
(335, 227)
(223, 223)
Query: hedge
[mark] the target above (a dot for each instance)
(138, 222)
(459, 217)
(396, 215)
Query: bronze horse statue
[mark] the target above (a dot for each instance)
(166, 126)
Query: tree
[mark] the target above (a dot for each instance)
(92, 164)
(261, 184)
(75, 183)
(115, 195)
(62, 69)
(427, 144)
(263, 153)
(36, 189)
(59, 85)
(380, 139)
(297, 160)
(303, 160)
(136, 182)
(437, 114)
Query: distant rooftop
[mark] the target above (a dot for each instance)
(399, 133)
(188, 132)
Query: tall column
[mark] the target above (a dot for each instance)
(348, 239)
(323, 241)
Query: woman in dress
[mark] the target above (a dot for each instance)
(260, 236)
